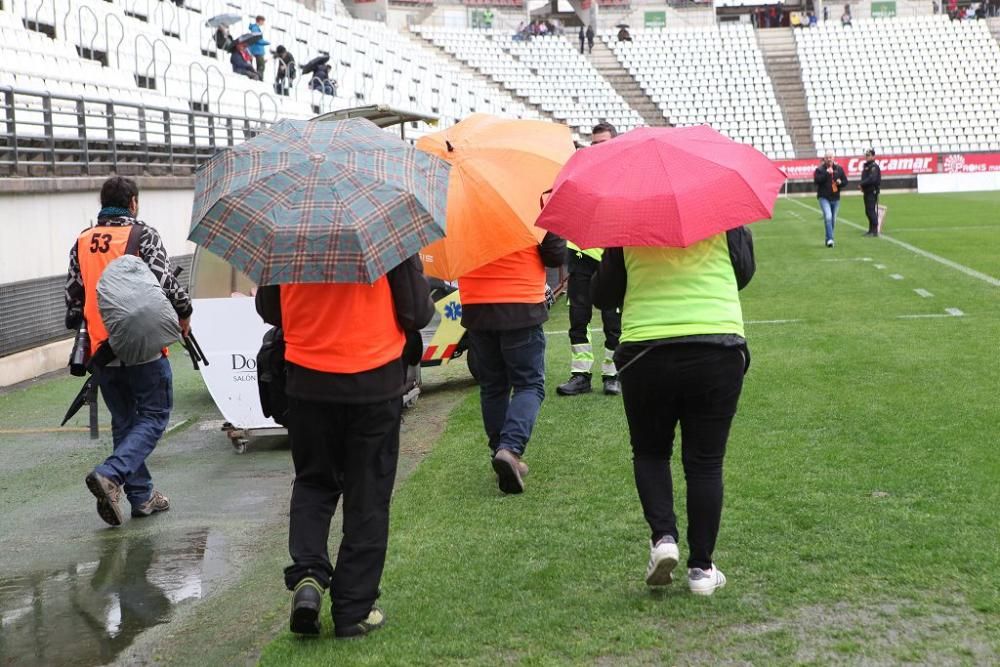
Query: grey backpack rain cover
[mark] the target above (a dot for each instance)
(137, 314)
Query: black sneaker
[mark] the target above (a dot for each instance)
(306, 603)
(612, 387)
(579, 383)
(364, 627)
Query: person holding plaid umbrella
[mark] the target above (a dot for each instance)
(329, 218)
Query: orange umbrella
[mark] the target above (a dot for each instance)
(499, 167)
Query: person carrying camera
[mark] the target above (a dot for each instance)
(139, 397)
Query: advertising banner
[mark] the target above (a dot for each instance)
(893, 165)
(230, 333)
(970, 163)
(883, 9)
(655, 19)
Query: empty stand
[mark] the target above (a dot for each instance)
(915, 84)
(547, 71)
(712, 75)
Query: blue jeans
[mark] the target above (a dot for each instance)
(829, 208)
(140, 399)
(511, 369)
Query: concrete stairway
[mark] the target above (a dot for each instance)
(474, 72)
(785, 70)
(604, 61)
(994, 26)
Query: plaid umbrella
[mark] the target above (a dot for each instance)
(314, 202)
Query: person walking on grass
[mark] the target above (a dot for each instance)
(681, 360)
(503, 309)
(581, 265)
(347, 348)
(139, 397)
(830, 179)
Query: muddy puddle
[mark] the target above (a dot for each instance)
(88, 611)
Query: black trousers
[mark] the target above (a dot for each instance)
(581, 307)
(348, 451)
(871, 200)
(698, 386)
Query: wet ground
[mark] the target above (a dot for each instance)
(200, 582)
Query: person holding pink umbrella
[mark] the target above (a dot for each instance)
(676, 256)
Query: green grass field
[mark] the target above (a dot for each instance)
(862, 483)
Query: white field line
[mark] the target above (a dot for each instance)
(895, 276)
(942, 229)
(995, 282)
(847, 259)
(879, 266)
(922, 292)
(948, 312)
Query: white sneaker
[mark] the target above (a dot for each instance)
(705, 582)
(829, 244)
(663, 558)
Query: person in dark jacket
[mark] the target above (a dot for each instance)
(503, 309)
(590, 39)
(347, 348)
(583, 38)
(830, 179)
(242, 62)
(871, 184)
(286, 72)
(681, 359)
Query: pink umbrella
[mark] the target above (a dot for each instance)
(660, 187)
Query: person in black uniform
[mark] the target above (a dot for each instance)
(871, 183)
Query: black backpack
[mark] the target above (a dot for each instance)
(271, 376)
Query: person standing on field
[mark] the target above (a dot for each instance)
(871, 184)
(581, 265)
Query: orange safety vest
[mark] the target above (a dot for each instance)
(515, 278)
(96, 248)
(340, 327)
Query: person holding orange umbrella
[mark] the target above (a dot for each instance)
(676, 255)
(498, 169)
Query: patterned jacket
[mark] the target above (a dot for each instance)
(151, 250)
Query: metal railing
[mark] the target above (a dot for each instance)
(46, 134)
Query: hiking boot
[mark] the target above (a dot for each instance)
(371, 623)
(663, 558)
(612, 387)
(578, 383)
(705, 582)
(307, 601)
(156, 503)
(108, 494)
(508, 466)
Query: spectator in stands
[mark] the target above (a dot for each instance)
(322, 82)
(487, 18)
(583, 38)
(138, 396)
(242, 62)
(258, 49)
(830, 180)
(623, 35)
(795, 19)
(826, 12)
(953, 9)
(285, 76)
(223, 40)
(871, 184)
(845, 18)
(590, 39)
(936, 6)
(523, 33)
(773, 18)
(541, 28)
(812, 20)
(970, 13)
